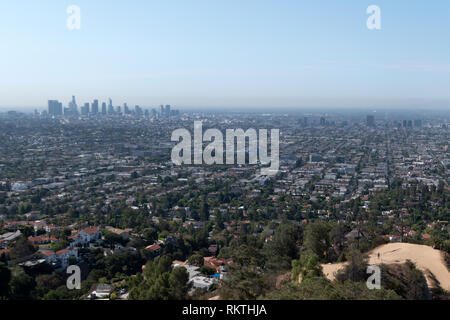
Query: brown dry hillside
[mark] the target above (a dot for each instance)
(426, 259)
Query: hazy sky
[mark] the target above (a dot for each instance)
(217, 53)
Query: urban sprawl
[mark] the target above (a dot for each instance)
(94, 186)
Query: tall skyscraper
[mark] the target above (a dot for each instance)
(138, 111)
(370, 121)
(55, 108)
(73, 108)
(95, 107)
(167, 111)
(51, 107)
(103, 108)
(161, 111)
(85, 109)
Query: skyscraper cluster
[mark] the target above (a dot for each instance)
(55, 108)
(166, 112)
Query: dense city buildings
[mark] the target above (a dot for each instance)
(78, 185)
(56, 109)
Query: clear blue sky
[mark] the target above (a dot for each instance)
(217, 53)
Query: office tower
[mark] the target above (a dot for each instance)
(55, 108)
(418, 123)
(85, 109)
(154, 113)
(138, 111)
(125, 108)
(110, 109)
(73, 108)
(51, 107)
(147, 113)
(161, 111)
(167, 110)
(370, 121)
(103, 108)
(405, 123)
(322, 121)
(118, 110)
(305, 121)
(94, 107)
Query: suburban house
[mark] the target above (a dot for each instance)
(33, 215)
(155, 248)
(197, 280)
(8, 238)
(49, 256)
(85, 236)
(214, 263)
(102, 291)
(42, 240)
(125, 234)
(62, 256)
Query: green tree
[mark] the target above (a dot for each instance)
(22, 248)
(317, 238)
(150, 234)
(308, 266)
(245, 277)
(319, 288)
(47, 282)
(283, 247)
(356, 268)
(196, 260)
(178, 283)
(160, 282)
(22, 286)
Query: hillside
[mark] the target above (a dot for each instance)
(428, 260)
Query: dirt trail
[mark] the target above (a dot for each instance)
(426, 259)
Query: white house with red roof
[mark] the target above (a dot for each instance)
(62, 256)
(49, 255)
(85, 236)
